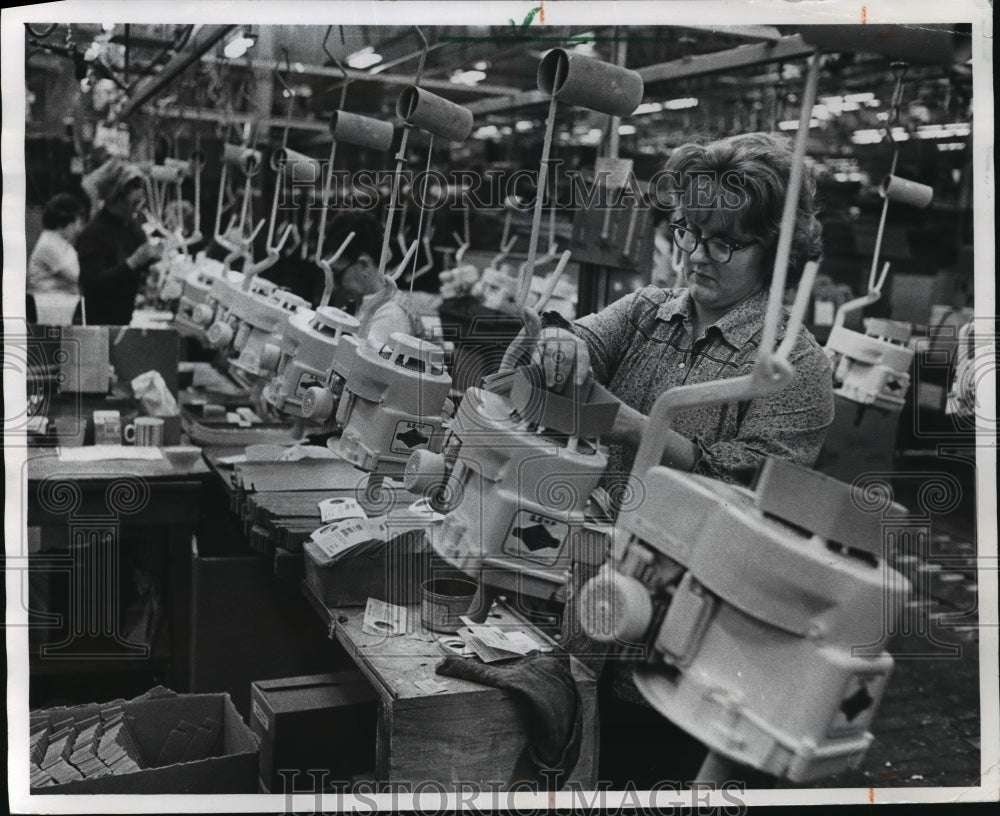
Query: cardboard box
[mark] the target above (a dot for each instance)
(232, 767)
(319, 723)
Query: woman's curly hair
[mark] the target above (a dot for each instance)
(745, 178)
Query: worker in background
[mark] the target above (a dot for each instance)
(729, 196)
(114, 251)
(52, 283)
(357, 288)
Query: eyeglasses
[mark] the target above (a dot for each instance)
(718, 250)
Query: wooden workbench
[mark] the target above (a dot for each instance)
(465, 732)
(97, 503)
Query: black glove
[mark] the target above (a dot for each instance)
(551, 706)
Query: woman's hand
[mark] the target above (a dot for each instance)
(144, 255)
(561, 355)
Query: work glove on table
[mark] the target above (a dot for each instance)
(550, 705)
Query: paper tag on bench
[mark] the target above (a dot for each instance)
(337, 509)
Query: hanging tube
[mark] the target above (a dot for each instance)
(246, 159)
(903, 191)
(363, 131)
(305, 169)
(589, 83)
(434, 114)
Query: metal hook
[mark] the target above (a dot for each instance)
(423, 54)
(288, 90)
(550, 283)
(401, 228)
(328, 180)
(327, 266)
(340, 66)
(406, 259)
(899, 70)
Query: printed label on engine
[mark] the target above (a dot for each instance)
(535, 537)
(411, 436)
(857, 704)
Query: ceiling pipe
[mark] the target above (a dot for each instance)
(263, 66)
(201, 42)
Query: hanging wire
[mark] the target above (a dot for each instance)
(400, 161)
(279, 180)
(328, 180)
(899, 71)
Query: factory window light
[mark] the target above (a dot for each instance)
(467, 77)
(365, 58)
(680, 104)
(647, 107)
(238, 45)
(626, 130)
(793, 124)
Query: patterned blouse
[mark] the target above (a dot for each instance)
(644, 344)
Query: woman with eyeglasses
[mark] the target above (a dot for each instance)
(729, 197)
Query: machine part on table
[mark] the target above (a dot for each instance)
(727, 593)
(246, 321)
(393, 403)
(872, 368)
(197, 305)
(514, 478)
(301, 356)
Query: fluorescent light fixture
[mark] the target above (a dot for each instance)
(482, 65)
(626, 130)
(955, 130)
(467, 77)
(486, 132)
(647, 107)
(874, 136)
(947, 146)
(365, 58)
(108, 26)
(793, 124)
(860, 98)
(524, 126)
(584, 44)
(680, 104)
